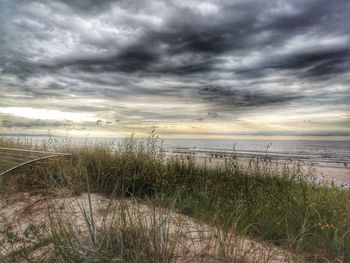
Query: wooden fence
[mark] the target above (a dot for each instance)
(12, 158)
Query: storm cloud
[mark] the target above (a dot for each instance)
(177, 62)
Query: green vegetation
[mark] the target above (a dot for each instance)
(276, 203)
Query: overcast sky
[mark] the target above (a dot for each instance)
(187, 68)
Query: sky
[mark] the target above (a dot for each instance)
(277, 69)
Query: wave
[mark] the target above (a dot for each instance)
(310, 157)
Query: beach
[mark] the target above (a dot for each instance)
(263, 200)
(331, 174)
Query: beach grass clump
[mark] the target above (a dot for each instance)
(278, 203)
(75, 231)
(93, 228)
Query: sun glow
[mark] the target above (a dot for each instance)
(45, 114)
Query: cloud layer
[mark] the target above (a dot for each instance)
(217, 66)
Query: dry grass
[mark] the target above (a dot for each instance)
(276, 205)
(54, 228)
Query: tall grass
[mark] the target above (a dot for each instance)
(280, 204)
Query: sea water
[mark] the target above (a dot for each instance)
(312, 151)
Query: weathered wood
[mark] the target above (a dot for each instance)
(22, 152)
(30, 151)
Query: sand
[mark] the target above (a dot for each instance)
(338, 175)
(196, 242)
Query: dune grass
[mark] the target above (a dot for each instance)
(276, 203)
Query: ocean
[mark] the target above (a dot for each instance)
(320, 152)
(333, 153)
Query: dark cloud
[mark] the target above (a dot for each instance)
(7, 123)
(193, 43)
(132, 59)
(226, 56)
(213, 115)
(100, 122)
(314, 63)
(34, 124)
(229, 98)
(87, 5)
(315, 133)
